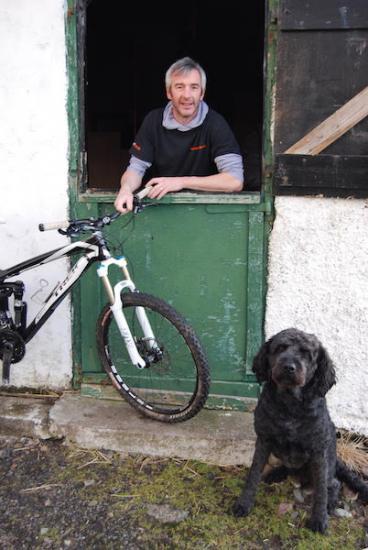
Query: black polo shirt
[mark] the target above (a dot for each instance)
(188, 153)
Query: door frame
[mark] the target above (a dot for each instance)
(84, 203)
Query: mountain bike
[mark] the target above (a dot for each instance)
(144, 344)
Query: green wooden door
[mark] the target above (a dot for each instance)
(204, 255)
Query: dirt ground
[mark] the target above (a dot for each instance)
(56, 496)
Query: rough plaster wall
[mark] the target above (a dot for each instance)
(318, 282)
(34, 169)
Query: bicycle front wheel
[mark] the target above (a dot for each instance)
(175, 383)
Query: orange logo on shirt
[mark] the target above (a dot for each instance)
(198, 148)
(136, 146)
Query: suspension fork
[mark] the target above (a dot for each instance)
(114, 295)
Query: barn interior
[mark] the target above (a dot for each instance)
(128, 49)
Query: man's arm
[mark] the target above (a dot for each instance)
(220, 183)
(229, 180)
(130, 182)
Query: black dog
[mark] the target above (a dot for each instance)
(292, 422)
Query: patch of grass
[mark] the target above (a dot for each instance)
(207, 493)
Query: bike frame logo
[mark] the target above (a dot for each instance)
(62, 287)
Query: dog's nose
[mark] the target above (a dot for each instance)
(290, 367)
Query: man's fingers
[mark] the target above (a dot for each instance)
(162, 194)
(119, 207)
(157, 192)
(124, 206)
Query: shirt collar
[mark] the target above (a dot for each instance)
(170, 123)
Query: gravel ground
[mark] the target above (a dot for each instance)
(44, 506)
(56, 496)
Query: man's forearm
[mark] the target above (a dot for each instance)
(130, 181)
(218, 183)
(223, 183)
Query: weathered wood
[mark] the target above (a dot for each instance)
(330, 175)
(323, 14)
(333, 127)
(317, 71)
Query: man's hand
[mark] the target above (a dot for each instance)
(124, 201)
(130, 182)
(161, 186)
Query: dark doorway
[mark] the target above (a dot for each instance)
(128, 49)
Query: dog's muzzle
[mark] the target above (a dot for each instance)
(288, 372)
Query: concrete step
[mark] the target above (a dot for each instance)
(213, 436)
(25, 416)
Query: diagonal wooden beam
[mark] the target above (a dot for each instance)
(333, 127)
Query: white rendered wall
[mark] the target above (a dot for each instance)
(318, 282)
(34, 169)
(318, 270)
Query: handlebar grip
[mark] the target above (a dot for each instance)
(144, 192)
(53, 225)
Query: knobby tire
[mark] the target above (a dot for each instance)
(183, 365)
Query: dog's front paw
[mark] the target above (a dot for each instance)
(318, 525)
(241, 509)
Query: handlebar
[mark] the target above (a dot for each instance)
(141, 194)
(72, 227)
(53, 225)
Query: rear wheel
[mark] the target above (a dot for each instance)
(175, 383)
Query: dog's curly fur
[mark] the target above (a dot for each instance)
(292, 422)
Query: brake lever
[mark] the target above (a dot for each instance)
(74, 229)
(138, 205)
(70, 232)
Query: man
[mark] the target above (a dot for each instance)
(188, 145)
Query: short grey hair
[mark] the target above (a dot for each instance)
(185, 65)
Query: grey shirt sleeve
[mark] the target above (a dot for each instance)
(138, 166)
(231, 163)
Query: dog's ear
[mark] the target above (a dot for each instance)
(324, 377)
(261, 365)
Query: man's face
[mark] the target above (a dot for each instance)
(185, 94)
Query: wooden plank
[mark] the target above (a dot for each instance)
(333, 127)
(330, 175)
(323, 15)
(311, 86)
(246, 197)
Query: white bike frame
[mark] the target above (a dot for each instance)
(91, 251)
